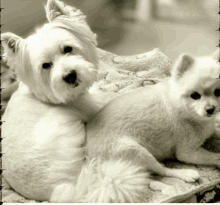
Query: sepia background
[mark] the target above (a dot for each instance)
(128, 27)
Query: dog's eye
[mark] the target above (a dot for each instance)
(46, 65)
(217, 92)
(68, 49)
(195, 96)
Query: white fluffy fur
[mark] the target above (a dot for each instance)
(46, 46)
(111, 181)
(44, 127)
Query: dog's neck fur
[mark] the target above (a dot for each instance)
(86, 104)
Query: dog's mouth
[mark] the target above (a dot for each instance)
(207, 115)
(75, 84)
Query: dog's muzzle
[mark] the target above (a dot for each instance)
(71, 77)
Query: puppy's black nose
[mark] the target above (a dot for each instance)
(71, 77)
(210, 110)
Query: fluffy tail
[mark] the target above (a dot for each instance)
(113, 181)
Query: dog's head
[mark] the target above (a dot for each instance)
(197, 82)
(59, 61)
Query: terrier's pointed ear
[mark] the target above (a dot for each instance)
(216, 55)
(55, 8)
(183, 63)
(10, 42)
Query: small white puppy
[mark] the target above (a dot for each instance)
(43, 129)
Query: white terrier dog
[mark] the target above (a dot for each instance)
(43, 127)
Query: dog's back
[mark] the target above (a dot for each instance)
(42, 146)
(146, 118)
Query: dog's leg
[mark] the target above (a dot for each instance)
(132, 150)
(199, 156)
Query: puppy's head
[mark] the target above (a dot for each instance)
(197, 83)
(59, 61)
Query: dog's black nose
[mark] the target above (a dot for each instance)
(71, 77)
(210, 110)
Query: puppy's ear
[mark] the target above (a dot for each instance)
(216, 55)
(10, 42)
(55, 8)
(183, 63)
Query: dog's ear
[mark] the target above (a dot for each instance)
(216, 55)
(55, 8)
(10, 42)
(183, 63)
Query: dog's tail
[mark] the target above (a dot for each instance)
(113, 181)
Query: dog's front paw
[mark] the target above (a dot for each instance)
(188, 175)
(191, 175)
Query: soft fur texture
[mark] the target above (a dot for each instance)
(112, 181)
(148, 125)
(47, 45)
(43, 137)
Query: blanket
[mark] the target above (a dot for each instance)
(121, 74)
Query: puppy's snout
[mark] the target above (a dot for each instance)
(71, 77)
(210, 110)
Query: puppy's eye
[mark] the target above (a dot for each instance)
(195, 96)
(46, 65)
(67, 49)
(217, 92)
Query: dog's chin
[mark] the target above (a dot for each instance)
(67, 93)
(205, 116)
